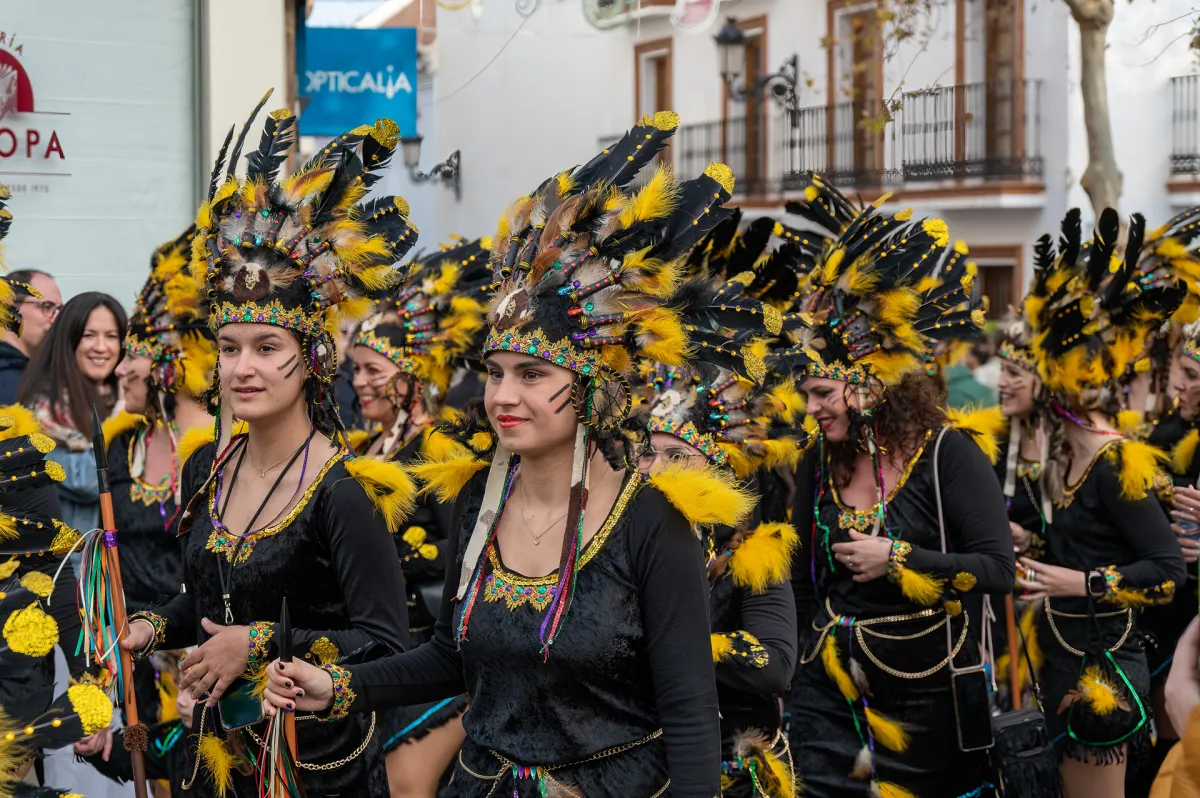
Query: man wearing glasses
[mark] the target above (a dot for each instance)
(41, 302)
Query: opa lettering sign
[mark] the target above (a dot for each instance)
(354, 76)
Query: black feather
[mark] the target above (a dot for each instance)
(231, 167)
(278, 134)
(215, 178)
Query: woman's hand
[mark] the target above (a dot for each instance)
(721, 561)
(1050, 581)
(1188, 546)
(297, 685)
(1182, 693)
(866, 556)
(139, 635)
(99, 743)
(212, 667)
(1021, 536)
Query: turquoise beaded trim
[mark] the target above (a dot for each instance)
(154, 348)
(273, 313)
(1189, 349)
(560, 353)
(707, 444)
(817, 367)
(400, 355)
(1022, 358)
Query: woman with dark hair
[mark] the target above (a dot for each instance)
(587, 660)
(1110, 551)
(904, 524)
(404, 357)
(284, 510)
(73, 371)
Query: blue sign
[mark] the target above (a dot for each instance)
(353, 76)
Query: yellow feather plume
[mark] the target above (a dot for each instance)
(17, 421)
(704, 495)
(765, 557)
(1139, 464)
(199, 363)
(1130, 422)
(388, 485)
(8, 527)
(888, 789)
(890, 367)
(785, 402)
(121, 423)
(898, 306)
(722, 647)
(781, 452)
(888, 733)
(259, 677)
(662, 336)
(984, 425)
(197, 437)
(438, 446)
(829, 270)
(219, 763)
(1184, 452)
(833, 667)
(1101, 694)
(737, 459)
(656, 199)
(918, 587)
(446, 478)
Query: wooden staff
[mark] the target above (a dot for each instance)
(1014, 672)
(136, 735)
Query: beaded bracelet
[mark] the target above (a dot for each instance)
(896, 558)
(343, 696)
(260, 640)
(160, 632)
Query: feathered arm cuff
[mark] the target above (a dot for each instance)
(739, 648)
(160, 632)
(764, 558)
(918, 587)
(704, 495)
(1117, 592)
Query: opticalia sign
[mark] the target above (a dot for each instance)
(19, 138)
(354, 76)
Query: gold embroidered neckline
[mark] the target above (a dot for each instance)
(142, 490)
(515, 589)
(861, 520)
(224, 543)
(1068, 494)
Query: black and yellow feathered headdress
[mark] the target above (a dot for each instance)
(435, 317)
(12, 292)
(302, 251)
(169, 322)
(882, 292)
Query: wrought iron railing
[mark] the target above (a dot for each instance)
(1185, 125)
(989, 130)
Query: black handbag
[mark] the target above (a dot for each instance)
(1022, 755)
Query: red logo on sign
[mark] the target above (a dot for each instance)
(16, 92)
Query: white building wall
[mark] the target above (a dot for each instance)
(537, 109)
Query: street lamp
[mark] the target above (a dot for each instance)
(731, 49)
(446, 173)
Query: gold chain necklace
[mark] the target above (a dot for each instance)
(262, 473)
(537, 538)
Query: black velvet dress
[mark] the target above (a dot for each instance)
(334, 561)
(421, 546)
(150, 552)
(751, 680)
(624, 703)
(903, 660)
(1025, 505)
(1163, 625)
(1094, 527)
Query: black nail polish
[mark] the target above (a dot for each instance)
(299, 692)
(287, 684)
(279, 665)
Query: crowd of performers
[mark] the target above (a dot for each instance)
(775, 564)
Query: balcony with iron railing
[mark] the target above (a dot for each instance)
(1185, 127)
(984, 134)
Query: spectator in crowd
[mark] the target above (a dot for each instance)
(984, 366)
(41, 302)
(962, 389)
(73, 371)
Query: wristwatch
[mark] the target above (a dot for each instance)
(1097, 586)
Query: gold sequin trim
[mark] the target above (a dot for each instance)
(515, 590)
(229, 544)
(343, 696)
(260, 640)
(142, 491)
(862, 520)
(160, 631)
(1069, 490)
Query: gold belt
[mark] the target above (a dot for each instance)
(544, 771)
(865, 626)
(1051, 612)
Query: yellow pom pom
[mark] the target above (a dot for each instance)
(38, 583)
(92, 705)
(415, 536)
(31, 631)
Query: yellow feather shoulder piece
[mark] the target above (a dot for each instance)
(388, 485)
(984, 425)
(439, 446)
(765, 557)
(357, 438)
(1184, 452)
(196, 437)
(446, 478)
(17, 420)
(119, 424)
(1138, 467)
(704, 495)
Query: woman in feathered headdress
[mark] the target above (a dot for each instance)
(728, 423)
(587, 659)
(1111, 553)
(283, 509)
(880, 581)
(404, 357)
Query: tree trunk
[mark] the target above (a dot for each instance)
(1102, 179)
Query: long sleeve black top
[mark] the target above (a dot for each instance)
(632, 656)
